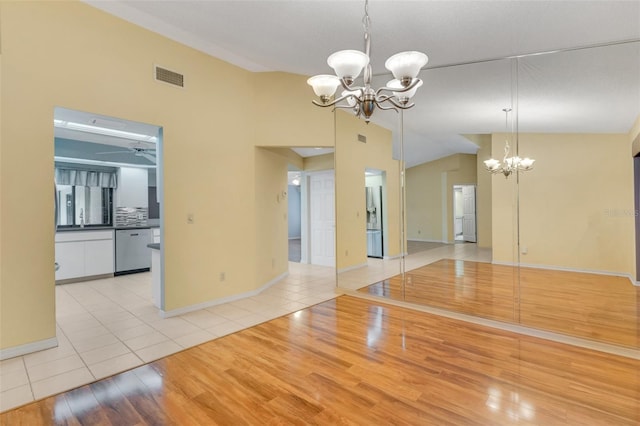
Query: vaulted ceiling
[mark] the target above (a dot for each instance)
(590, 83)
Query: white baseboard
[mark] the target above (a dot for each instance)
(28, 348)
(423, 240)
(397, 256)
(220, 301)
(351, 268)
(568, 269)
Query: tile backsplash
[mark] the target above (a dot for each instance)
(131, 216)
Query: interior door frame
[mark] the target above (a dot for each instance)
(475, 210)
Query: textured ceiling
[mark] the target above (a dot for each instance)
(590, 90)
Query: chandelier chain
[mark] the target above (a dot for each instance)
(366, 21)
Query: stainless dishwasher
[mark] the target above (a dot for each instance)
(132, 253)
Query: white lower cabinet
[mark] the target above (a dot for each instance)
(70, 258)
(98, 257)
(84, 254)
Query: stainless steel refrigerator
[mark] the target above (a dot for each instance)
(375, 235)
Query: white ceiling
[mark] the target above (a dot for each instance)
(91, 146)
(312, 152)
(590, 90)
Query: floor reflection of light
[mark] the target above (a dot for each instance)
(297, 315)
(375, 326)
(493, 402)
(91, 399)
(459, 268)
(516, 408)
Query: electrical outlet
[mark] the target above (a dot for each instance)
(524, 250)
(222, 276)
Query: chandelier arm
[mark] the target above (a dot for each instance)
(413, 84)
(345, 107)
(346, 86)
(335, 101)
(385, 108)
(396, 104)
(328, 104)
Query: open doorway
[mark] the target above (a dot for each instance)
(294, 215)
(108, 181)
(375, 196)
(464, 213)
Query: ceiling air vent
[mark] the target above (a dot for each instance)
(168, 76)
(362, 138)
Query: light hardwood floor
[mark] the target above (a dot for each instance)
(354, 361)
(597, 307)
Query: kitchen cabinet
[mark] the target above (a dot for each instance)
(133, 184)
(98, 257)
(70, 257)
(156, 234)
(84, 254)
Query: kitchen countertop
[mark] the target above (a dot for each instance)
(105, 228)
(126, 228)
(88, 228)
(154, 246)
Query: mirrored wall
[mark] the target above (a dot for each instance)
(552, 248)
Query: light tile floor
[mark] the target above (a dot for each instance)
(108, 326)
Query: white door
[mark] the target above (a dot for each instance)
(322, 223)
(469, 213)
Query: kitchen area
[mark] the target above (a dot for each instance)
(107, 196)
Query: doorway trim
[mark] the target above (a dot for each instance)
(469, 214)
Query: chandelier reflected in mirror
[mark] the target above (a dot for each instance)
(509, 165)
(363, 100)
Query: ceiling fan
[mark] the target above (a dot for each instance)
(148, 153)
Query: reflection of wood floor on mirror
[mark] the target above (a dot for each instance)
(598, 307)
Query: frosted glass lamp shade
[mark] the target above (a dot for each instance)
(527, 163)
(405, 66)
(397, 84)
(348, 64)
(492, 164)
(324, 85)
(351, 100)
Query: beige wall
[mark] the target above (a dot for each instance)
(319, 162)
(71, 55)
(352, 158)
(575, 206)
(483, 192)
(271, 234)
(429, 195)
